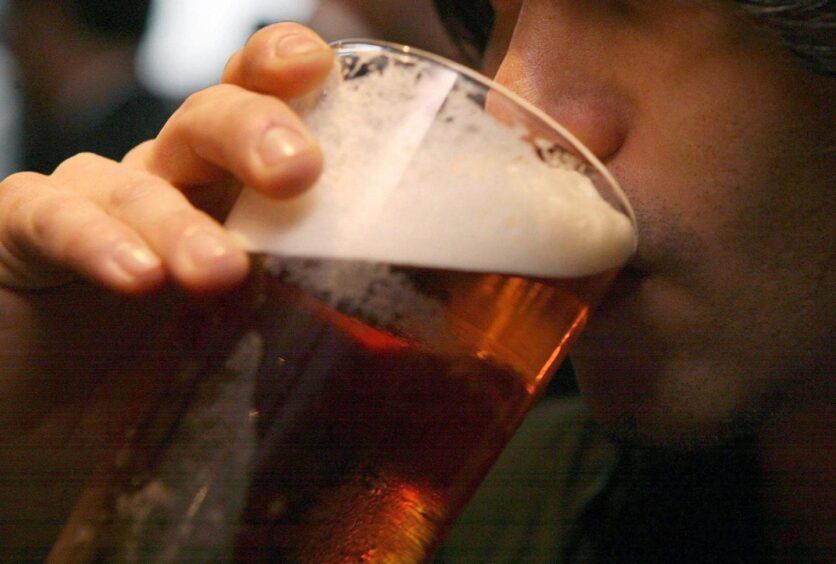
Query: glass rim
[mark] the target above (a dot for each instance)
(489, 83)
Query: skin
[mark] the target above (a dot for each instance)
(719, 137)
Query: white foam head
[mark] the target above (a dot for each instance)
(418, 174)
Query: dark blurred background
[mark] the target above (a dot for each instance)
(87, 75)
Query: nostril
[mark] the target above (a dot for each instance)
(598, 122)
(594, 112)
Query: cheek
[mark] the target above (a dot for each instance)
(719, 168)
(721, 249)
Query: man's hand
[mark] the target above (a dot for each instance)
(153, 217)
(95, 257)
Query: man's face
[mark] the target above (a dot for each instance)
(725, 145)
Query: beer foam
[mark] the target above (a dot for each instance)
(418, 173)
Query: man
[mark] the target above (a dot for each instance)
(718, 333)
(77, 74)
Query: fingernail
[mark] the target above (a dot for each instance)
(297, 44)
(134, 260)
(205, 248)
(281, 143)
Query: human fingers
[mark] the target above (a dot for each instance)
(284, 59)
(48, 230)
(227, 130)
(215, 198)
(194, 250)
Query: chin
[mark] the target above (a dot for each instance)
(673, 414)
(642, 368)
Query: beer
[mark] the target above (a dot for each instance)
(399, 431)
(364, 426)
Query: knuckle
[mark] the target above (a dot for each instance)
(176, 224)
(128, 194)
(17, 185)
(96, 231)
(136, 191)
(21, 205)
(203, 98)
(38, 222)
(197, 108)
(232, 67)
(181, 219)
(190, 105)
(17, 195)
(80, 164)
(185, 108)
(136, 157)
(44, 217)
(192, 100)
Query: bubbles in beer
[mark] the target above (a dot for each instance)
(377, 293)
(419, 172)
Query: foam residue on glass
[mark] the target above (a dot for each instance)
(188, 506)
(378, 293)
(419, 173)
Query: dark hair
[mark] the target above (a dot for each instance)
(808, 27)
(114, 19)
(468, 23)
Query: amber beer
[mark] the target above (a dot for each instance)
(375, 461)
(372, 414)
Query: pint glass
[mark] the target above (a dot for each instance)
(400, 319)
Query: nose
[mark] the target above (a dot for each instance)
(566, 84)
